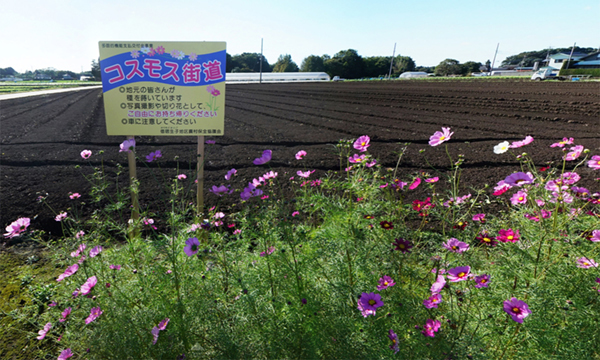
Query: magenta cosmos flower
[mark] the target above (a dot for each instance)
(508, 235)
(565, 141)
(392, 335)
(594, 163)
(438, 285)
(459, 273)
(44, 331)
(86, 154)
(65, 354)
(96, 251)
(70, 271)
(300, 154)
(191, 246)
(362, 143)
(127, 146)
(17, 227)
(385, 282)
(586, 263)
(65, 314)
(518, 144)
(518, 179)
(595, 236)
(433, 301)
(431, 327)
(402, 245)
(94, 314)
(368, 303)
(440, 137)
(265, 158)
(355, 159)
(456, 246)
(517, 309)
(520, 197)
(88, 285)
(574, 153)
(414, 184)
(482, 281)
(479, 217)
(155, 155)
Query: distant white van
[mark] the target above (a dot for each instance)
(412, 74)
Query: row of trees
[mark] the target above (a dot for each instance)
(529, 58)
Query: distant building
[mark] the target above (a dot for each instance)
(591, 61)
(556, 61)
(40, 76)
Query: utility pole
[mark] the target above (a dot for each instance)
(570, 55)
(493, 61)
(261, 57)
(392, 63)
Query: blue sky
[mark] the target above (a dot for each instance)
(64, 34)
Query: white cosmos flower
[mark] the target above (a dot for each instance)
(501, 148)
(145, 50)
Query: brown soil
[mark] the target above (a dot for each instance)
(42, 136)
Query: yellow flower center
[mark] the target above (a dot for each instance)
(510, 237)
(483, 281)
(372, 302)
(520, 198)
(454, 247)
(516, 310)
(487, 239)
(442, 137)
(385, 283)
(461, 274)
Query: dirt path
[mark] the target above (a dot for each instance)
(41, 137)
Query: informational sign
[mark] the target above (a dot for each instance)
(163, 88)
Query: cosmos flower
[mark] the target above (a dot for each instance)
(502, 147)
(394, 338)
(44, 331)
(61, 216)
(432, 180)
(74, 196)
(402, 245)
(153, 156)
(508, 235)
(520, 197)
(230, 173)
(354, 159)
(454, 245)
(574, 153)
(482, 281)
(135, 54)
(385, 282)
(386, 225)
(362, 143)
(518, 144)
(64, 314)
(479, 217)
(193, 56)
(65, 354)
(191, 246)
(586, 263)
(68, 272)
(517, 309)
(518, 179)
(269, 251)
(160, 50)
(486, 239)
(414, 184)
(594, 163)
(440, 137)
(94, 314)
(566, 141)
(17, 227)
(431, 327)
(265, 158)
(95, 251)
(300, 154)
(459, 273)
(368, 303)
(86, 154)
(88, 285)
(432, 301)
(438, 285)
(220, 190)
(127, 146)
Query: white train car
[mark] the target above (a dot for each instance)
(275, 77)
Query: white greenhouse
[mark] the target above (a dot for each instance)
(275, 77)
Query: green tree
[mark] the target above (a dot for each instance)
(346, 64)
(96, 73)
(471, 67)
(249, 62)
(376, 66)
(312, 63)
(448, 67)
(285, 64)
(528, 58)
(9, 71)
(403, 64)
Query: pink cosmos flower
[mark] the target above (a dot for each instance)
(94, 314)
(392, 335)
(300, 154)
(570, 178)
(265, 158)
(96, 251)
(78, 251)
(517, 309)
(304, 174)
(454, 245)
(127, 146)
(371, 163)
(432, 180)
(518, 144)
(219, 215)
(566, 141)
(479, 217)
(17, 227)
(88, 285)
(163, 324)
(295, 213)
(438, 285)
(86, 154)
(210, 88)
(459, 273)
(65, 354)
(68, 272)
(574, 153)
(272, 175)
(65, 314)
(595, 236)
(210, 142)
(269, 251)
(501, 188)
(155, 331)
(520, 197)
(44, 331)
(74, 196)
(61, 216)
(135, 54)
(250, 191)
(414, 184)
(193, 56)
(155, 155)
(518, 179)
(368, 303)
(508, 235)
(237, 232)
(385, 282)
(220, 190)
(482, 281)
(181, 177)
(354, 159)
(191, 246)
(115, 267)
(594, 163)
(230, 173)
(586, 263)
(160, 50)
(433, 301)
(440, 137)
(431, 327)
(362, 143)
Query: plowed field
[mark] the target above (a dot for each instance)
(42, 136)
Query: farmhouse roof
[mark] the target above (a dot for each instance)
(576, 56)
